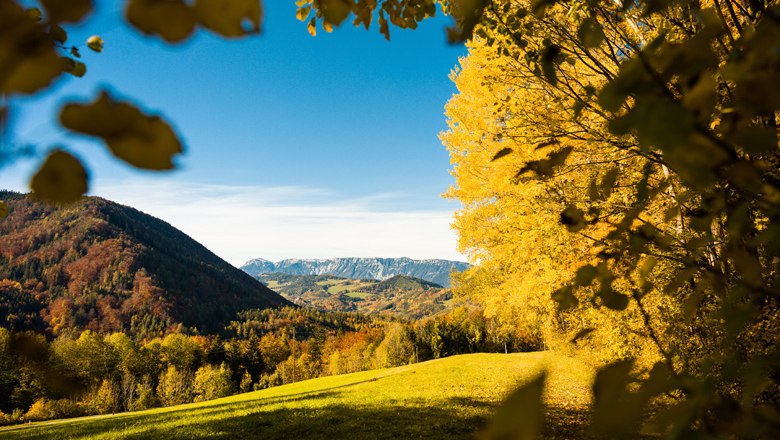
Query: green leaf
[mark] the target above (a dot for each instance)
(745, 175)
(756, 140)
(747, 266)
(662, 123)
(612, 299)
(335, 12)
(521, 416)
(228, 17)
(467, 15)
(616, 411)
(34, 13)
(546, 167)
(586, 275)
(172, 20)
(702, 97)
(95, 43)
(539, 7)
(30, 61)
(67, 11)
(58, 33)
(77, 68)
(501, 153)
(549, 58)
(61, 179)
(573, 218)
(631, 78)
(608, 182)
(565, 298)
(581, 334)
(590, 33)
(141, 140)
(3, 209)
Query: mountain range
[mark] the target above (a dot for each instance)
(434, 271)
(106, 267)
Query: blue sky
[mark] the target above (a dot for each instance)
(296, 146)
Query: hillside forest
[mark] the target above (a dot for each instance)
(617, 163)
(106, 309)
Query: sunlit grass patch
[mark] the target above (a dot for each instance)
(444, 398)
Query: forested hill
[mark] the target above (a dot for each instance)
(106, 267)
(434, 271)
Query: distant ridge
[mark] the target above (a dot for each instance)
(432, 270)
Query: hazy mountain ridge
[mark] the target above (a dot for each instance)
(99, 265)
(398, 296)
(432, 270)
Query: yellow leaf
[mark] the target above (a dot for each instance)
(228, 17)
(67, 11)
(28, 59)
(521, 415)
(303, 13)
(173, 20)
(61, 178)
(95, 43)
(312, 27)
(141, 140)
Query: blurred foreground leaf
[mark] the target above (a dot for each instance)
(228, 17)
(67, 11)
(522, 414)
(61, 178)
(141, 140)
(173, 21)
(28, 58)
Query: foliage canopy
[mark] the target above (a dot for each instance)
(647, 128)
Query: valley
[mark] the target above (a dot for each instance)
(400, 296)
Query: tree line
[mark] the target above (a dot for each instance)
(92, 373)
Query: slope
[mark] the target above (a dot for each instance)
(447, 398)
(106, 267)
(400, 295)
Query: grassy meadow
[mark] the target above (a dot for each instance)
(448, 398)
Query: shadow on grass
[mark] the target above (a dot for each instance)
(237, 420)
(457, 418)
(164, 414)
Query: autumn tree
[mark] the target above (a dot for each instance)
(212, 382)
(175, 386)
(664, 114)
(636, 127)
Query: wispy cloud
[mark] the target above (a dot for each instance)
(243, 222)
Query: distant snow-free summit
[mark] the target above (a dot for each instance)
(435, 271)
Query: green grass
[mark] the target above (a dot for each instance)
(350, 287)
(360, 295)
(440, 399)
